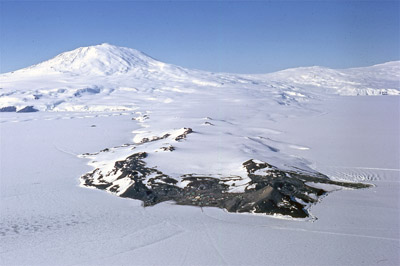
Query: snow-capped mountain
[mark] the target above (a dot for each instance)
(104, 59)
(199, 138)
(373, 80)
(109, 77)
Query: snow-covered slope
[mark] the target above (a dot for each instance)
(217, 127)
(106, 77)
(102, 59)
(46, 219)
(270, 143)
(382, 79)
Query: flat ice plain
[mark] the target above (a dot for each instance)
(46, 218)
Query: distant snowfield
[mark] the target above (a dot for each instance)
(294, 119)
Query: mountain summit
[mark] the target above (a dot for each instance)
(103, 59)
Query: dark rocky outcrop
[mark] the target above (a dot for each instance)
(28, 109)
(8, 109)
(270, 191)
(184, 134)
(168, 148)
(154, 138)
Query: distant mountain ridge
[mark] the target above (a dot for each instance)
(87, 76)
(108, 59)
(103, 59)
(370, 80)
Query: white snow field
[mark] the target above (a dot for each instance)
(100, 98)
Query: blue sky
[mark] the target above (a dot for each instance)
(223, 36)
